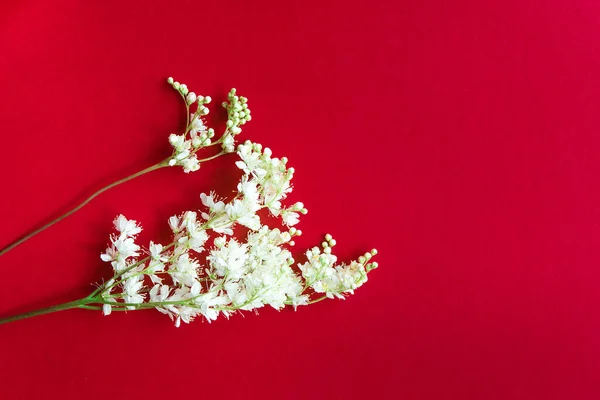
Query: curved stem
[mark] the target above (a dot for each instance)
(212, 157)
(154, 167)
(317, 300)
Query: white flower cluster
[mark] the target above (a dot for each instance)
(208, 270)
(205, 271)
(321, 273)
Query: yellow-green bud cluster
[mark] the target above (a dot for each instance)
(202, 100)
(328, 244)
(180, 87)
(204, 139)
(366, 258)
(294, 232)
(238, 112)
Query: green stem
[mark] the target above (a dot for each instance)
(317, 300)
(92, 303)
(212, 157)
(154, 167)
(81, 303)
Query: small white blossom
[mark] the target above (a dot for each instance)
(184, 270)
(197, 126)
(131, 289)
(127, 228)
(229, 260)
(179, 143)
(290, 218)
(126, 247)
(228, 144)
(174, 223)
(106, 309)
(190, 164)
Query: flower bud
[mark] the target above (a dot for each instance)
(191, 98)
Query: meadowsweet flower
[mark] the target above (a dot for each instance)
(180, 144)
(224, 258)
(127, 228)
(126, 247)
(228, 145)
(290, 218)
(159, 293)
(131, 289)
(174, 222)
(324, 276)
(238, 275)
(197, 126)
(123, 246)
(229, 260)
(190, 163)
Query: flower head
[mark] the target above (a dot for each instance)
(224, 258)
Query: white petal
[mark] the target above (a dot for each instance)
(106, 309)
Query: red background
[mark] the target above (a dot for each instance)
(459, 138)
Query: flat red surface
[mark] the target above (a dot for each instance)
(459, 138)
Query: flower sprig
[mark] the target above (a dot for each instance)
(236, 275)
(207, 270)
(195, 137)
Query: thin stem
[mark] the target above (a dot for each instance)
(213, 143)
(211, 157)
(154, 167)
(187, 302)
(187, 115)
(317, 300)
(81, 303)
(91, 303)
